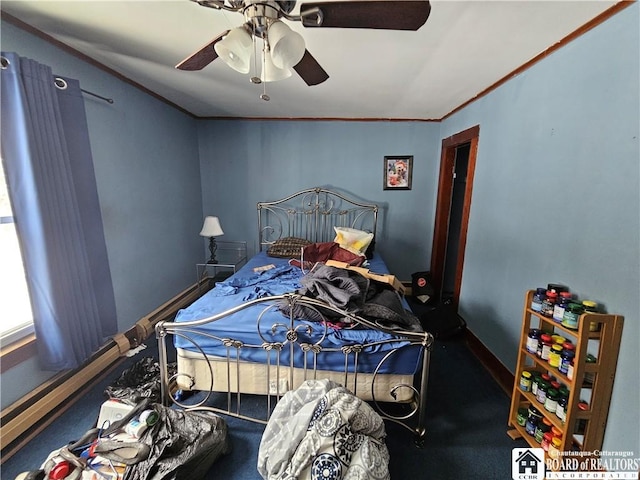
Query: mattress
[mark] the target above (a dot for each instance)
(241, 336)
(252, 378)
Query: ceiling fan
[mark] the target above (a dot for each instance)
(283, 49)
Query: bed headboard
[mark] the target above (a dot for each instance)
(311, 214)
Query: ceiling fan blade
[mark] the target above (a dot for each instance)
(310, 70)
(377, 14)
(203, 57)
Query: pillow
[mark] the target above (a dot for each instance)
(356, 241)
(287, 247)
(323, 251)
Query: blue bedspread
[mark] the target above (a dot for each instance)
(247, 285)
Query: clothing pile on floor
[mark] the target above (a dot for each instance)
(140, 439)
(323, 431)
(318, 431)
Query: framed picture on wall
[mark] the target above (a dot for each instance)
(397, 172)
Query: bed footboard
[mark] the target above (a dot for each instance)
(246, 380)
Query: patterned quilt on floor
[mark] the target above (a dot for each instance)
(322, 431)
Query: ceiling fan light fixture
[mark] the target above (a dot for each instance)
(235, 49)
(287, 46)
(271, 73)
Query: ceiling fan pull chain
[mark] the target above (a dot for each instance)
(264, 95)
(255, 79)
(265, 52)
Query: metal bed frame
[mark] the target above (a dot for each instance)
(309, 214)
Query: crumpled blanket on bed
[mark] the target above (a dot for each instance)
(275, 281)
(322, 431)
(354, 293)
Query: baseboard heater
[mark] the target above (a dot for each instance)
(27, 417)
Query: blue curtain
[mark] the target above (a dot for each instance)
(52, 187)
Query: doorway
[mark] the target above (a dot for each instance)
(455, 185)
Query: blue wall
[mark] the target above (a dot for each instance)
(556, 198)
(244, 162)
(556, 189)
(146, 162)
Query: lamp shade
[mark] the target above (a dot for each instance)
(211, 227)
(287, 46)
(271, 73)
(235, 49)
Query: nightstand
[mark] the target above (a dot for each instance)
(230, 255)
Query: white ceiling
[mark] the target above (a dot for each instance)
(464, 47)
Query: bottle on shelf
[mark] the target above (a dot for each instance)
(564, 372)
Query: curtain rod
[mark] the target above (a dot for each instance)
(110, 100)
(59, 82)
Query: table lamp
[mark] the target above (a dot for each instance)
(212, 229)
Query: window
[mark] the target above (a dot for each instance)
(16, 318)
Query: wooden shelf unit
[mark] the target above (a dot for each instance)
(604, 344)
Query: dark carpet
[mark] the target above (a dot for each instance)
(466, 427)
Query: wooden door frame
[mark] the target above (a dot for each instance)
(443, 207)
